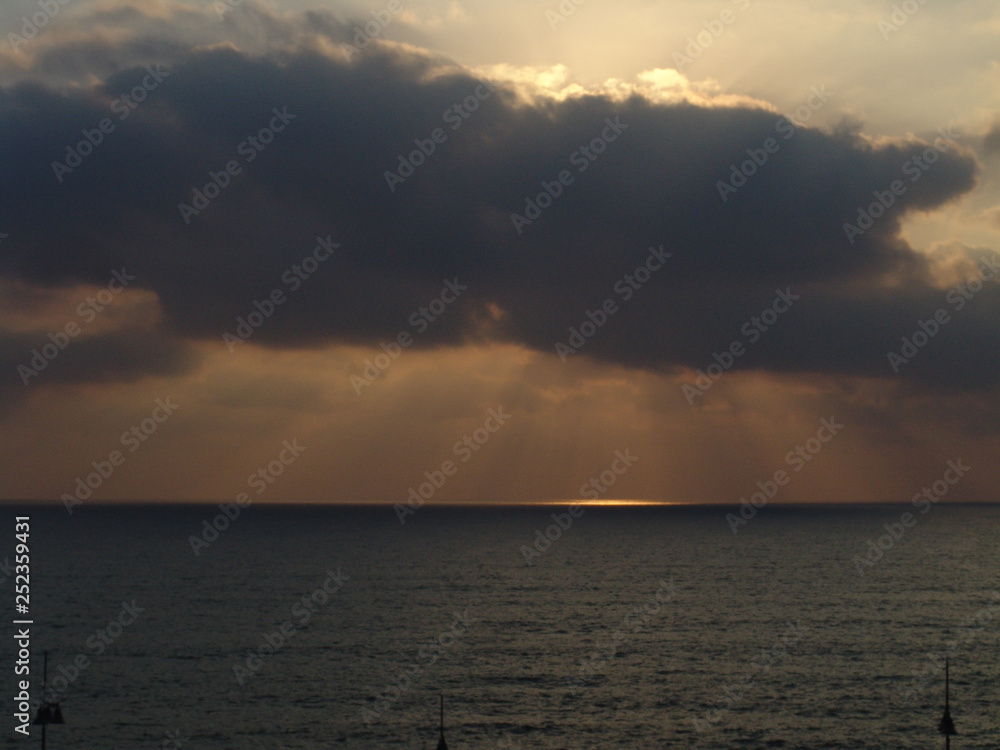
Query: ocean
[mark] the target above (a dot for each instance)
(630, 627)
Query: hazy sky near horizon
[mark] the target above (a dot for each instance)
(808, 189)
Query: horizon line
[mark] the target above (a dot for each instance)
(587, 503)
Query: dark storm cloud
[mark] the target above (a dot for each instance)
(28, 360)
(348, 123)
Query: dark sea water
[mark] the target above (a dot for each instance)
(645, 627)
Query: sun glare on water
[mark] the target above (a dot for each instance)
(609, 502)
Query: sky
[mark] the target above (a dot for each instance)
(493, 252)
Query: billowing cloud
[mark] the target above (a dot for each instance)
(422, 174)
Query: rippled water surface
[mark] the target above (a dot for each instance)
(637, 627)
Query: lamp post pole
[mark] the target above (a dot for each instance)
(48, 713)
(946, 726)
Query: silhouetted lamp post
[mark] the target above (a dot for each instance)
(48, 713)
(442, 745)
(946, 726)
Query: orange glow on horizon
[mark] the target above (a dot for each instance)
(623, 502)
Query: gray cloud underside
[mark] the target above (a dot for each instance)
(324, 175)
